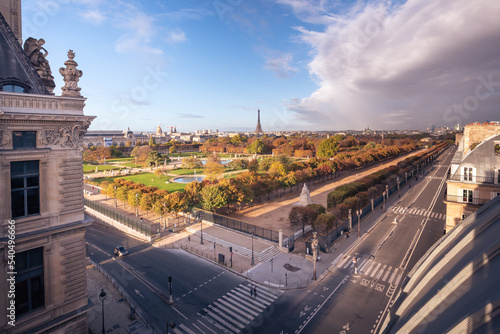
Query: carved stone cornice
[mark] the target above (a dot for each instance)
(68, 136)
(34, 103)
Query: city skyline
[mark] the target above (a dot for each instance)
(310, 65)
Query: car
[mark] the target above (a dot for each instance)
(120, 251)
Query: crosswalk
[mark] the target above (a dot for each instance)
(374, 270)
(263, 256)
(417, 211)
(232, 313)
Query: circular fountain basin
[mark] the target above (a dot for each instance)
(188, 179)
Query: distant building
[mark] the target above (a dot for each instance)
(41, 182)
(474, 173)
(258, 129)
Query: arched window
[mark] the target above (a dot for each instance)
(13, 88)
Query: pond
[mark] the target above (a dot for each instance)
(187, 179)
(224, 162)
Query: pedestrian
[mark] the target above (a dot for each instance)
(251, 290)
(347, 234)
(255, 291)
(189, 237)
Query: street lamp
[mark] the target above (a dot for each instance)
(399, 189)
(359, 221)
(314, 246)
(201, 224)
(115, 198)
(102, 297)
(170, 301)
(137, 204)
(253, 262)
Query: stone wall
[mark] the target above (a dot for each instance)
(476, 133)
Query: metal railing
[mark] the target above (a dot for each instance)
(145, 228)
(466, 200)
(472, 179)
(239, 225)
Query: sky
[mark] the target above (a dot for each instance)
(306, 64)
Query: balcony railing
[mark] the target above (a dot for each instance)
(473, 179)
(466, 200)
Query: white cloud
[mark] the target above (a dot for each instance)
(281, 65)
(139, 31)
(93, 16)
(420, 57)
(176, 36)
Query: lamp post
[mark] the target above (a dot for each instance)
(253, 262)
(115, 198)
(102, 297)
(314, 246)
(170, 300)
(359, 222)
(137, 204)
(399, 190)
(201, 224)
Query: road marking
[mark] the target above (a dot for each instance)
(387, 273)
(324, 302)
(393, 275)
(374, 271)
(188, 330)
(370, 268)
(176, 310)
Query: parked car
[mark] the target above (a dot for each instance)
(120, 251)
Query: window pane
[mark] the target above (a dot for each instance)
(24, 139)
(17, 198)
(32, 181)
(22, 300)
(37, 295)
(21, 261)
(33, 200)
(17, 168)
(31, 166)
(17, 183)
(36, 257)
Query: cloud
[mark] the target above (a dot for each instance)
(176, 36)
(181, 115)
(438, 61)
(281, 65)
(189, 14)
(93, 16)
(140, 28)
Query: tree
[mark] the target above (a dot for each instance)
(96, 153)
(134, 199)
(154, 158)
(300, 216)
(177, 202)
(191, 162)
(253, 165)
(152, 141)
(326, 221)
(192, 192)
(317, 209)
(213, 197)
(257, 146)
(122, 194)
(147, 201)
(172, 149)
(213, 170)
(141, 152)
(328, 147)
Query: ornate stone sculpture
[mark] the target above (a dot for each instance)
(71, 76)
(305, 198)
(68, 136)
(5, 138)
(38, 56)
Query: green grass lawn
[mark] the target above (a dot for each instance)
(186, 154)
(91, 168)
(120, 159)
(185, 171)
(148, 179)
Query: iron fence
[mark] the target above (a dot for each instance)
(145, 228)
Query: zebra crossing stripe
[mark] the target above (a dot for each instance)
(206, 326)
(241, 304)
(185, 329)
(370, 268)
(362, 264)
(441, 216)
(198, 328)
(393, 275)
(254, 302)
(238, 308)
(226, 316)
(376, 269)
(346, 263)
(398, 279)
(381, 271)
(433, 215)
(264, 301)
(236, 315)
(221, 321)
(252, 308)
(266, 293)
(387, 273)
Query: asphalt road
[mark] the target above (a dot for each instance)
(345, 302)
(207, 298)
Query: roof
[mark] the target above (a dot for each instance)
(454, 286)
(16, 68)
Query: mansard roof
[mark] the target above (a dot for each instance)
(16, 69)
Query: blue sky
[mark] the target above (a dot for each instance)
(315, 65)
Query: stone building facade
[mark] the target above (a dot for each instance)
(43, 285)
(474, 173)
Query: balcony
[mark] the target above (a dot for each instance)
(466, 200)
(473, 179)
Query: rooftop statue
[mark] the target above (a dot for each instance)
(305, 198)
(71, 76)
(38, 56)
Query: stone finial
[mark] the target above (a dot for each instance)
(71, 76)
(38, 56)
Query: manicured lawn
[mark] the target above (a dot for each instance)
(148, 179)
(185, 171)
(120, 159)
(186, 154)
(91, 168)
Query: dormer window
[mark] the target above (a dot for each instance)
(13, 89)
(469, 174)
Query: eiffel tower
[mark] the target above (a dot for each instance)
(258, 129)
